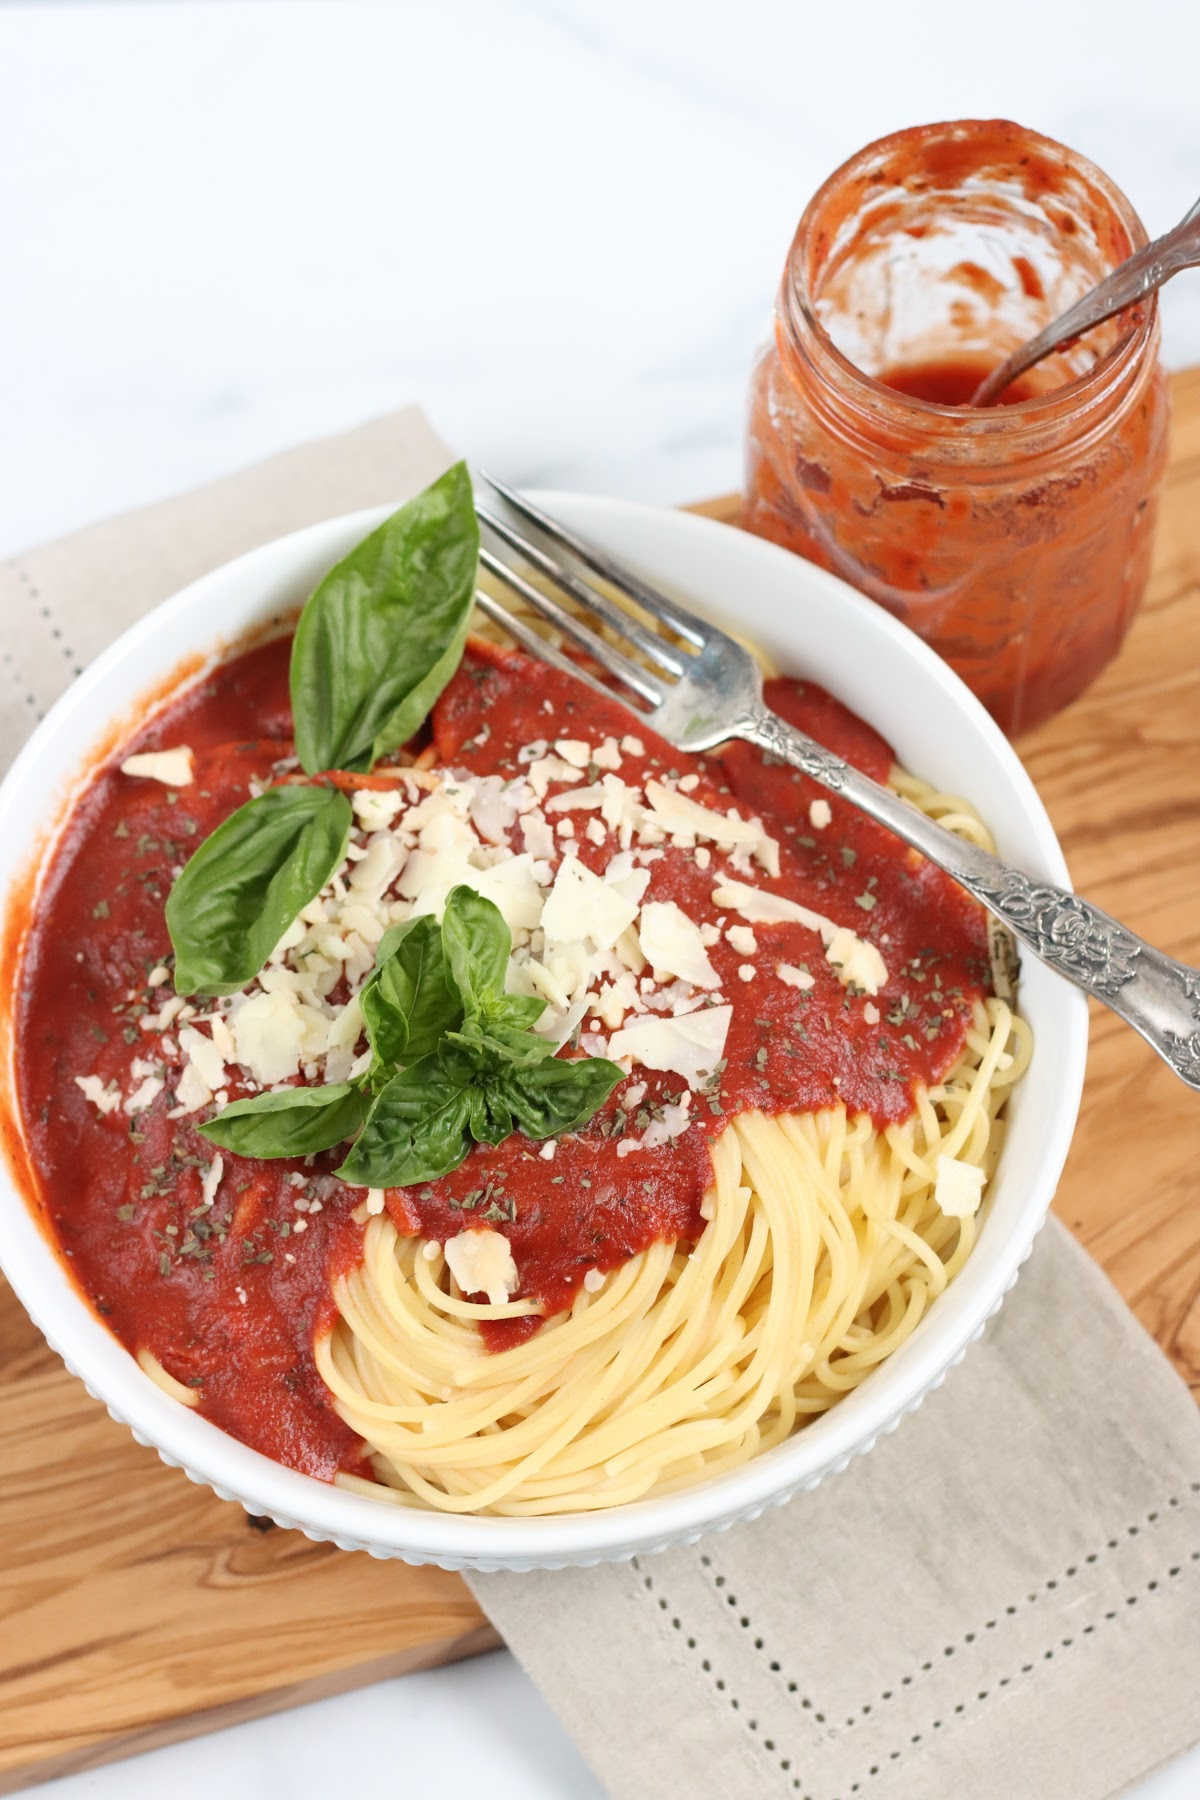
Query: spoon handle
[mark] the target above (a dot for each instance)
(1139, 275)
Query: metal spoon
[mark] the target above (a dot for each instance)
(1141, 274)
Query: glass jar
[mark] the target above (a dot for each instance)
(1015, 538)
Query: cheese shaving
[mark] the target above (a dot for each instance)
(174, 768)
(481, 1262)
(959, 1187)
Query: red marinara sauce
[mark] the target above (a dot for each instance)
(228, 1287)
(1014, 538)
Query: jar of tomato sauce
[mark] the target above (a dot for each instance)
(1014, 538)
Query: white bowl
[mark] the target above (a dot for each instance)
(813, 625)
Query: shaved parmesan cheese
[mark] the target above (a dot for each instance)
(690, 1046)
(820, 814)
(742, 939)
(615, 999)
(959, 1187)
(544, 983)
(671, 943)
(856, 961)
(628, 950)
(145, 1094)
(105, 1099)
(762, 908)
(576, 800)
(672, 1122)
(375, 808)
(481, 1262)
(570, 965)
(191, 1093)
(374, 874)
(623, 874)
(537, 835)
(168, 1011)
(853, 957)
(513, 889)
(582, 906)
(633, 746)
(621, 809)
(200, 1050)
(608, 754)
(547, 769)
(574, 751)
(494, 806)
(269, 1034)
(172, 767)
(676, 815)
(211, 1180)
(793, 976)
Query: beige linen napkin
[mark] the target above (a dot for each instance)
(1001, 1602)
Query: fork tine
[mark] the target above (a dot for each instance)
(537, 646)
(686, 623)
(648, 642)
(640, 680)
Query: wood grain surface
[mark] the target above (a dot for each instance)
(136, 1608)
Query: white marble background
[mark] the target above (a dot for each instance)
(225, 227)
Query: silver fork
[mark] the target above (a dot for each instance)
(707, 689)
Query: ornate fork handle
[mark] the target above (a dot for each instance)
(1159, 997)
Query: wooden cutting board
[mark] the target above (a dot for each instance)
(136, 1608)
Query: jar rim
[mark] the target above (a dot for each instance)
(1039, 409)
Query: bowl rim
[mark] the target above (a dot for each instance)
(211, 1457)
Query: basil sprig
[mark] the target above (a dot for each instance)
(246, 883)
(384, 632)
(377, 642)
(409, 999)
(455, 1061)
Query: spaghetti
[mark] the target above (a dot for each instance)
(824, 1247)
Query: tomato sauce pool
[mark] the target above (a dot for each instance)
(226, 1278)
(952, 381)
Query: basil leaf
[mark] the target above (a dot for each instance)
(295, 1121)
(477, 943)
(245, 884)
(489, 1118)
(498, 1042)
(417, 1128)
(383, 633)
(558, 1096)
(408, 1000)
(516, 1012)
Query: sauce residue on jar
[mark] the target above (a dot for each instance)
(1015, 539)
